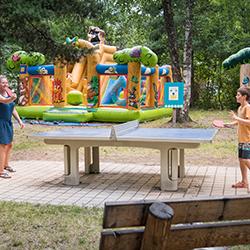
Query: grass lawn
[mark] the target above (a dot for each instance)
(26, 226)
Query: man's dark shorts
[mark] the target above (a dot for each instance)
(244, 150)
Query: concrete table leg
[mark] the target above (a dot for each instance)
(73, 178)
(66, 160)
(95, 166)
(87, 159)
(181, 172)
(169, 163)
(92, 161)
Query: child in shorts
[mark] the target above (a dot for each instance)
(242, 119)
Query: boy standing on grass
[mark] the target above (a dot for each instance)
(242, 119)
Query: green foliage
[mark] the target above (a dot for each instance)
(41, 25)
(214, 88)
(220, 28)
(121, 23)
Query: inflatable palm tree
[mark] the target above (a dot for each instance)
(241, 57)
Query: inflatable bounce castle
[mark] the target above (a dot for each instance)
(107, 85)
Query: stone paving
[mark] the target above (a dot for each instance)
(42, 182)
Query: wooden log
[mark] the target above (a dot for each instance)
(157, 227)
(186, 211)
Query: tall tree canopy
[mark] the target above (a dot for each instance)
(41, 25)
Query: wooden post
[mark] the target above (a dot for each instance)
(134, 85)
(157, 227)
(59, 85)
(245, 75)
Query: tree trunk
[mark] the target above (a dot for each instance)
(173, 48)
(187, 61)
(220, 84)
(195, 90)
(180, 115)
(172, 39)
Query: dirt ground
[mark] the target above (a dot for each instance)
(222, 151)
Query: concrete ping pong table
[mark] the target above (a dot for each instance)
(170, 141)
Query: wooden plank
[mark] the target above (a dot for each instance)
(185, 211)
(116, 214)
(121, 239)
(219, 234)
(183, 237)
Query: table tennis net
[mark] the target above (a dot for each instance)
(122, 129)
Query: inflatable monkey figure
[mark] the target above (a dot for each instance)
(96, 35)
